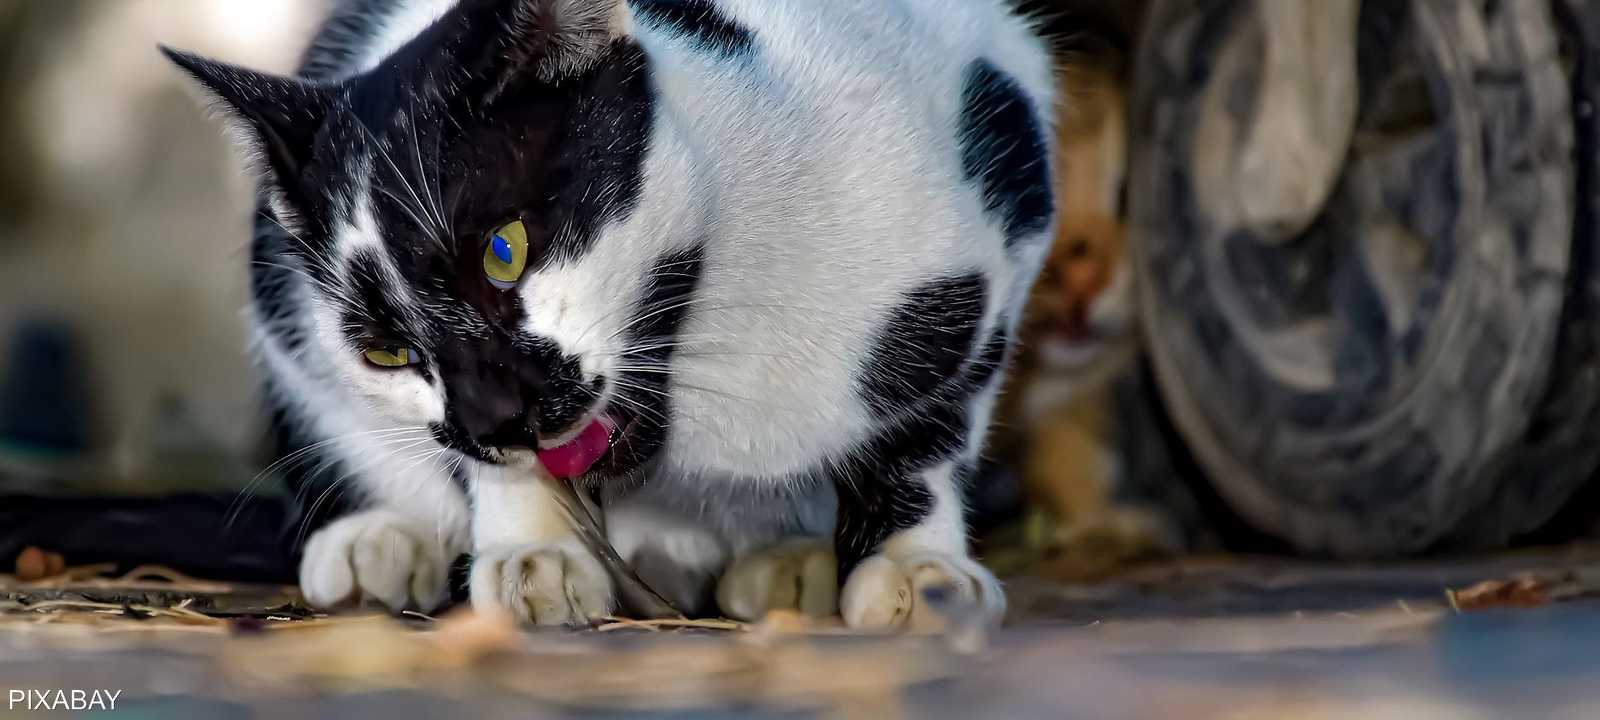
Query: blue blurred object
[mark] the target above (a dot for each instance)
(44, 400)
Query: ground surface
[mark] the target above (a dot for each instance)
(1200, 639)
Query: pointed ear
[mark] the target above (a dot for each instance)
(499, 41)
(274, 118)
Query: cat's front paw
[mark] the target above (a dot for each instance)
(799, 574)
(542, 584)
(374, 556)
(887, 593)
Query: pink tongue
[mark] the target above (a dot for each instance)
(577, 456)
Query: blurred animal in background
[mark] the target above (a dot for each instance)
(1080, 335)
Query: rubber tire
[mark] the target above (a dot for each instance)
(1412, 407)
(1561, 450)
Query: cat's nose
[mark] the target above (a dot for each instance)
(496, 417)
(514, 433)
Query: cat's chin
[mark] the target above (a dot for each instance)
(1056, 352)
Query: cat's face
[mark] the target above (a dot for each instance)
(457, 212)
(1083, 300)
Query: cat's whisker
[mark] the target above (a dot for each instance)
(677, 382)
(422, 179)
(326, 462)
(379, 147)
(640, 319)
(308, 255)
(424, 225)
(321, 498)
(296, 457)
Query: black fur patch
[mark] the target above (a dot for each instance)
(1003, 149)
(273, 279)
(698, 19)
(667, 299)
(925, 341)
(880, 487)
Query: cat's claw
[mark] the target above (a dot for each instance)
(373, 556)
(542, 584)
(799, 574)
(892, 593)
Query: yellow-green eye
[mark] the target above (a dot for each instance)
(506, 255)
(392, 357)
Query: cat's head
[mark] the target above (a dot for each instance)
(1082, 304)
(461, 213)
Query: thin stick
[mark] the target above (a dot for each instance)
(616, 623)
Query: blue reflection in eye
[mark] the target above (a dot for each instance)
(501, 248)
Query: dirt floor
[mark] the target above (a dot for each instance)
(1507, 636)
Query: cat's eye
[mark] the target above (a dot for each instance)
(506, 256)
(398, 357)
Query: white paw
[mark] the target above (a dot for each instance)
(918, 591)
(799, 574)
(374, 556)
(547, 584)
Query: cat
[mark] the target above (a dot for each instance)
(748, 269)
(1080, 335)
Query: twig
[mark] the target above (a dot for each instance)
(616, 623)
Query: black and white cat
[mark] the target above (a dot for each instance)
(750, 267)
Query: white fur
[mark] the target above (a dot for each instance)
(825, 176)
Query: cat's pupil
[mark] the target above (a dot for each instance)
(501, 248)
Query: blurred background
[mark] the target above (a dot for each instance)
(1326, 287)
(124, 219)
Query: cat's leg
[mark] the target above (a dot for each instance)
(396, 550)
(528, 559)
(901, 529)
(800, 574)
(1072, 478)
(900, 540)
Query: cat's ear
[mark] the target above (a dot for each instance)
(502, 41)
(274, 118)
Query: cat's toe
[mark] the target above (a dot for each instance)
(799, 574)
(542, 584)
(373, 556)
(919, 592)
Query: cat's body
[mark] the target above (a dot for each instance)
(777, 250)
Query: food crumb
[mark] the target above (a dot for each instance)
(36, 564)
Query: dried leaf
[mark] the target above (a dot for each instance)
(1522, 592)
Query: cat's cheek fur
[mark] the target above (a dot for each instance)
(403, 394)
(561, 304)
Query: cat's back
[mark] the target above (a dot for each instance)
(923, 93)
(920, 125)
